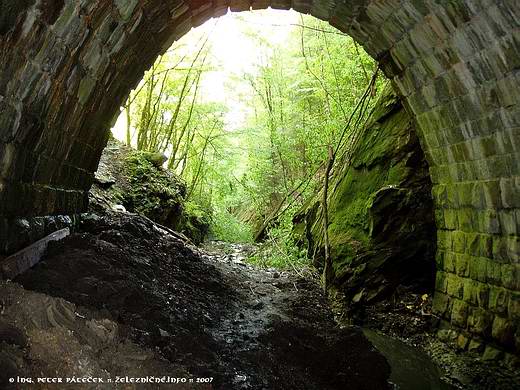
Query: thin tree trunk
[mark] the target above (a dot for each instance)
(128, 124)
(327, 269)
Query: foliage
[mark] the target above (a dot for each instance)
(195, 222)
(303, 95)
(280, 250)
(248, 181)
(227, 227)
(152, 192)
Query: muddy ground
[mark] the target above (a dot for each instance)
(406, 322)
(125, 298)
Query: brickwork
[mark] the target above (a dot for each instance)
(66, 69)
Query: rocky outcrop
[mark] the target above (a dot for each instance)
(136, 180)
(382, 230)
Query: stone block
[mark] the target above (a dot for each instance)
(441, 305)
(441, 282)
(513, 249)
(455, 286)
(500, 250)
(466, 220)
(476, 345)
(304, 7)
(479, 245)
(449, 262)
(418, 104)
(439, 259)
(322, 9)
(95, 59)
(440, 222)
(462, 264)
(440, 194)
(285, 5)
(510, 276)
(86, 87)
(459, 313)
(510, 192)
(513, 308)
(498, 300)
(459, 242)
(492, 194)
(482, 292)
(509, 224)
(202, 15)
(480, 322)
(465, 192)
(477, 269)
(470, 292)
(443, 240)
(503, 331)
(493, 272)
(488, 222)
(260, 4)
(126, 8)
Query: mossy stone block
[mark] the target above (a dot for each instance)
(455, 286)
(459, 313)
(480, 321)
(503, 331)
(459, 242)
(498, 300)
(462, 264)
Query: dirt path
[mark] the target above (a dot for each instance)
(124, 298)
(185, 313)
(280, 334)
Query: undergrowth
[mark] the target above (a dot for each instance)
(227, 227)
(280, 250)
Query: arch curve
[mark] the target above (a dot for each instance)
(455, 64)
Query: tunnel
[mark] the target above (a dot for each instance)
(67, 67)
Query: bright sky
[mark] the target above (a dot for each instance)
(234, 52)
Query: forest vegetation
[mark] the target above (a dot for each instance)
(303, 101)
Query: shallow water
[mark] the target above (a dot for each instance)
(412, 369)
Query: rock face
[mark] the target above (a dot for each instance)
(135, 180)
(382, 229)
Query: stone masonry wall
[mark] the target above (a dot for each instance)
(67, 65)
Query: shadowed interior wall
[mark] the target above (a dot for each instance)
(66, 67)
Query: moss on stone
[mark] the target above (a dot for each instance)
(381, 217)
(142, 186)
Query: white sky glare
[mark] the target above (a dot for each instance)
(233, 52)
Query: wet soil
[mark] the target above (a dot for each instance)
(202, 314)
(125, 297)
(401, 328)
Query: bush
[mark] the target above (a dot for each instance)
(227, 227)
(279, 249)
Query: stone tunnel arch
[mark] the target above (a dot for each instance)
(67, 65)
